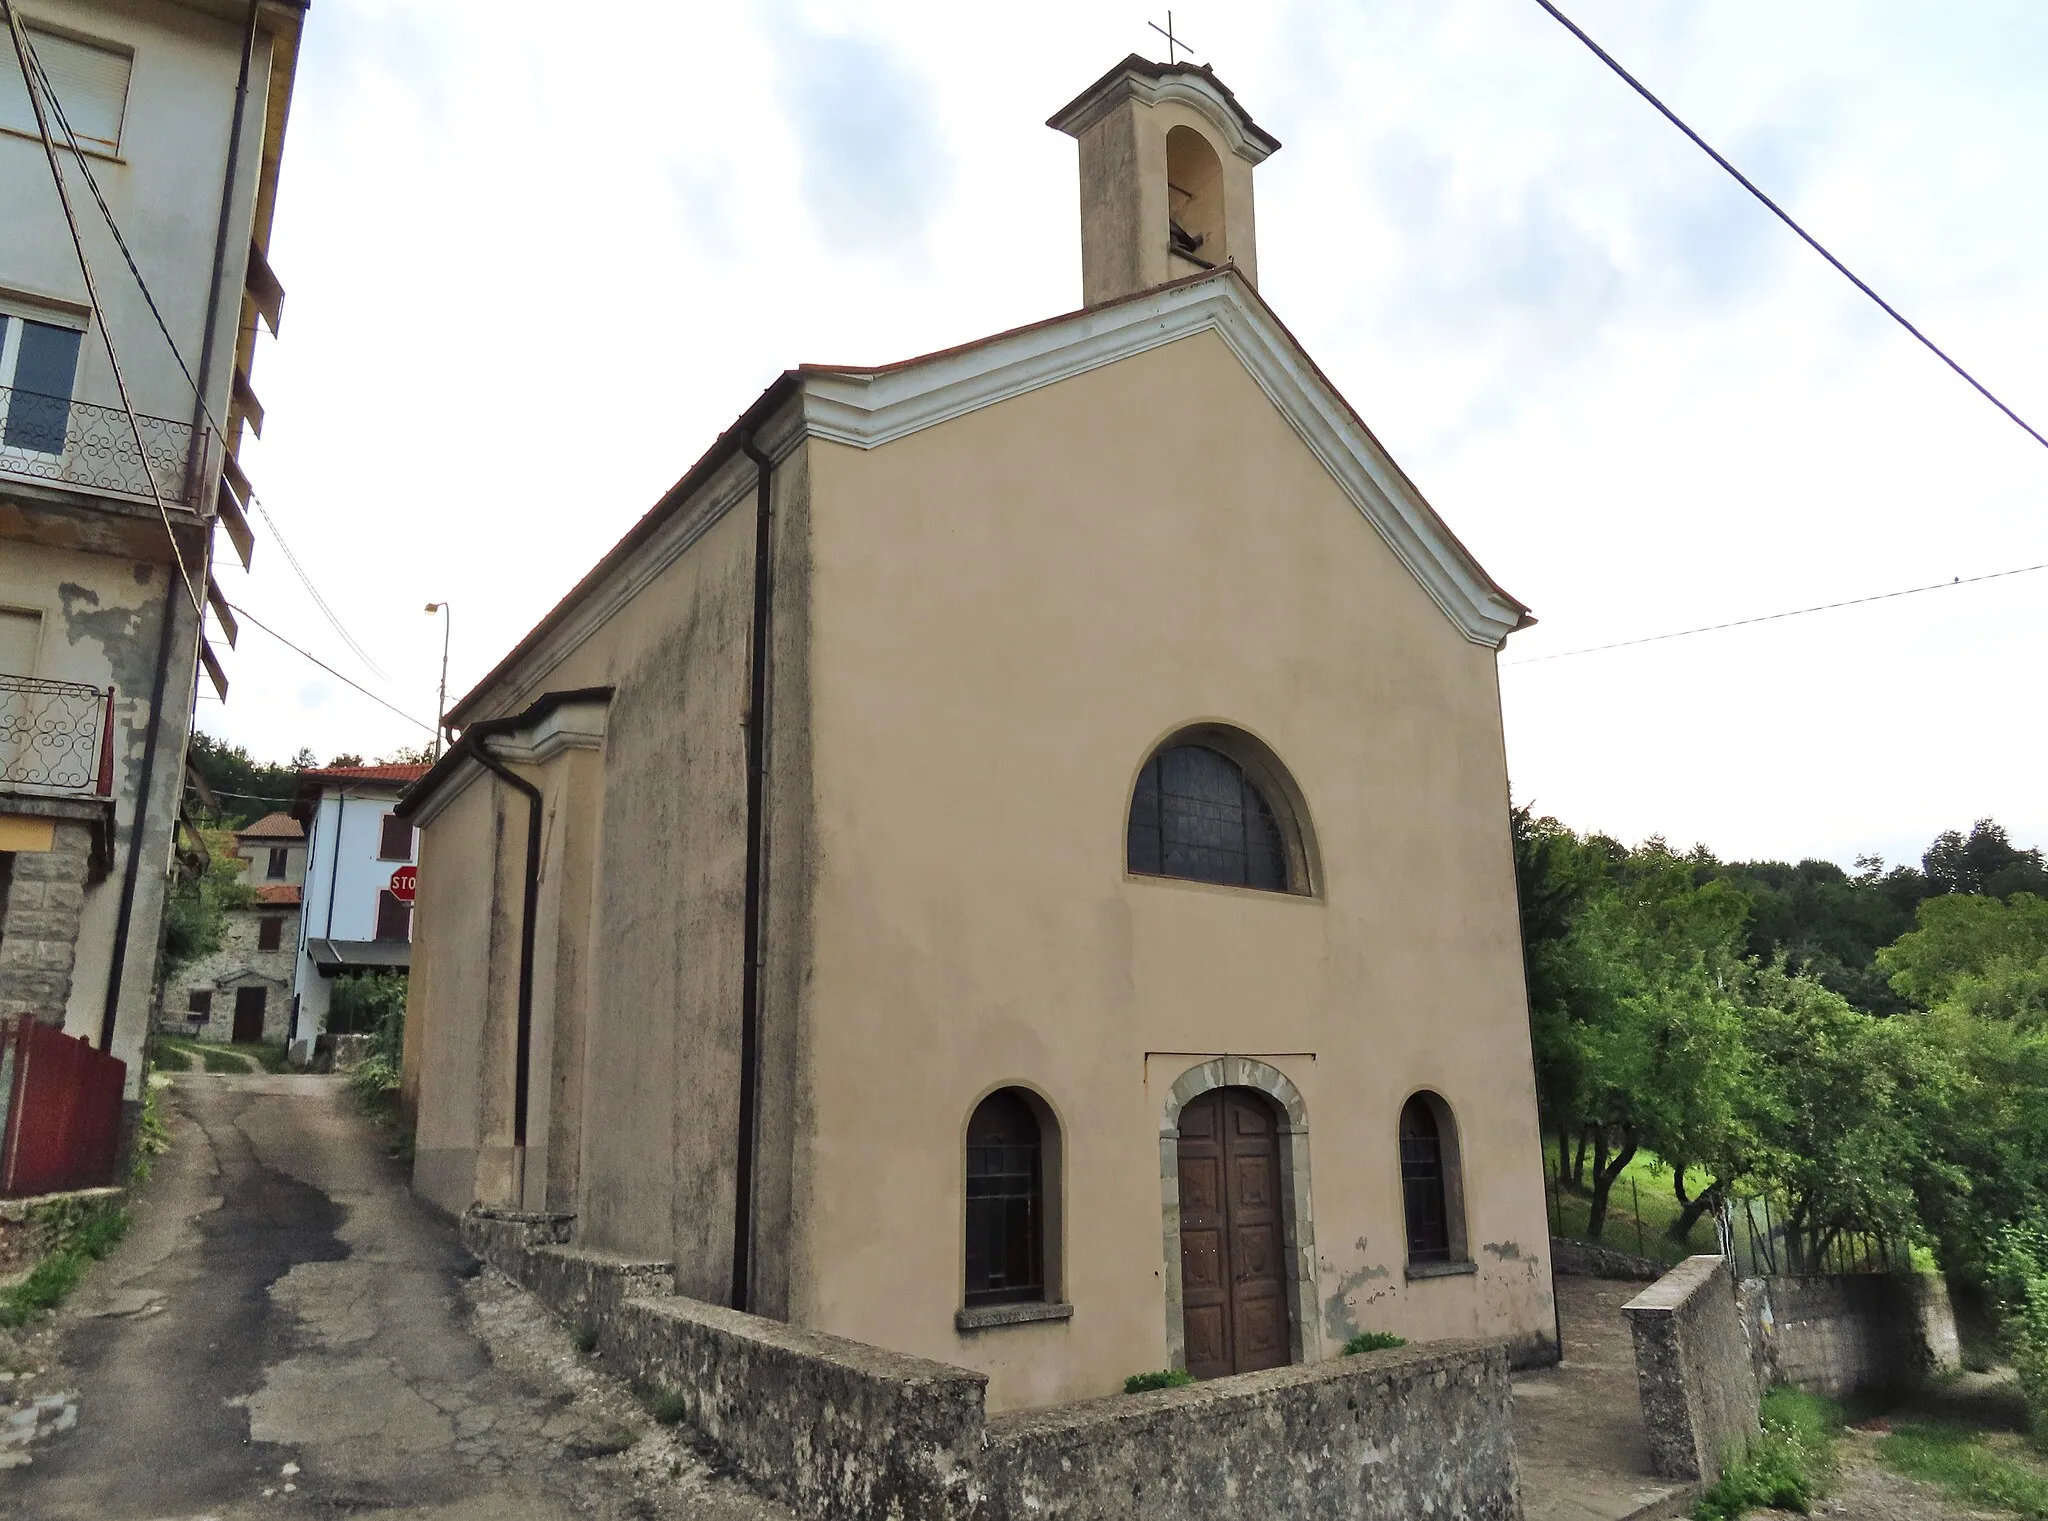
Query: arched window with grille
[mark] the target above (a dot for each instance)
(1211, 805)
(1432, 1192)
(1006, 1204)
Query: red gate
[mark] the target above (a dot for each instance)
(61, 1124)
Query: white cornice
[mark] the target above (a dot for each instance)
(875, 408)
(1187, 89)
(571, 726)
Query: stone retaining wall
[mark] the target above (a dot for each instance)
(1382, 1436)
(1849, 1333)
(1582, 1259)
(1693, 1370)
(841, 1430)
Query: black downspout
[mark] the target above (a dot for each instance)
(194, 465)
(750, 935)
(529, 912)
(132, 875)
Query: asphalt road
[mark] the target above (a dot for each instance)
(288, 1331)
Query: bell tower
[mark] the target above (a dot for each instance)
(1166, 177)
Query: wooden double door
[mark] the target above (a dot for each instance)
(1232, 1234)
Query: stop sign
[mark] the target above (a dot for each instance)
(403, 881)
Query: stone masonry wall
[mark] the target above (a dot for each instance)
(239, 963)
(1849, 1333)
(1586, 1260)
(841, 1430)
(1382, 1436)
(1693, 1370)
(39, 924)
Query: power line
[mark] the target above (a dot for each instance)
(149, 298)
(29, 72)
(1797, 612)
(1782, 215)
(330, 670)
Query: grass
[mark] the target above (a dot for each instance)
(668, 1407)
(1787, 1468)
(1165, 1378)
(176, 1053)
(1374, 1341)
(1640, 1210)
(79, 1236)
(1963, 1463)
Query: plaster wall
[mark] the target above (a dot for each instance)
(1125, 244)
(101, 618)
(164, 188)
(1002, 633)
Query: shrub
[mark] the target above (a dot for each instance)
(1165, 1378)
(1786, 1468)
(2019, 1280)
(1373, 1341)
(668, 1407)
(586, 1337)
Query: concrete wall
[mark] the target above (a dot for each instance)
(1850, 1333)
(1003, 632)
(837, 1429)
(1693, 1371)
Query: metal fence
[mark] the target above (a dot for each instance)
(56, 734)
(77, 443)
(1760, 1242)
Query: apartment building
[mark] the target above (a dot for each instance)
(119, 427)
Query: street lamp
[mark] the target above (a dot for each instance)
(441, 707)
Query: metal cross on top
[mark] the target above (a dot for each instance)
(1173, 43)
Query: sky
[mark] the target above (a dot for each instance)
(537, 260)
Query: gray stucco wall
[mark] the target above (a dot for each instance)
(1849, 1333)
(1693, 1370)
(841, 1430)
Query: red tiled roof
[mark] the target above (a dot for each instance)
(272, 826)
(399, 774)
(284, 893)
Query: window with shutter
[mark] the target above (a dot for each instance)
(88, 83)
(394, 919)
(269, 933)
(280, 857)
(396, 844)
(38, 362)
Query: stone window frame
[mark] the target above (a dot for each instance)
(1298, 1239)
(1052, 1183)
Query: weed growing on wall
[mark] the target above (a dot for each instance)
(1165, 1378)
(1788, 1467)
(1374, 1341)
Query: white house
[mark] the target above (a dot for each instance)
(356, 918)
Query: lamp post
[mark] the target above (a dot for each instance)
(441, 706)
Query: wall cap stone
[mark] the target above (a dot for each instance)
(839, 1351)
(1669, 1294)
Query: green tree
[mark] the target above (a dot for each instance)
(196, 907)
(247, 789)
(1963, 934)
(1985, 861)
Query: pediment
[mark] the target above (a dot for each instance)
(870, 408)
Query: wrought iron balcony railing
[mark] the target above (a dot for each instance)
(76, 443)
(56, 735)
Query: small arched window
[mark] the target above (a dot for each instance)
(1197, 814)
(1432, 1193)
(1005, 1201)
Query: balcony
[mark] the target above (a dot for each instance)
(56, 736)
(92, 448)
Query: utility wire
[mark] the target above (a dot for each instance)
(149, 297)
(1797, 612)
(330, 670)
(1782, 215)
(29, 72)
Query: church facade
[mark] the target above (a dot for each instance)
(1009, 860)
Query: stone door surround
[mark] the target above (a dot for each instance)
(1298, 1241)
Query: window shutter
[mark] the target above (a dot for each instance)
(90, 84)
(394, 919)
(397, 842)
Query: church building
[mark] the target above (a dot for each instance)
(1009, 860)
